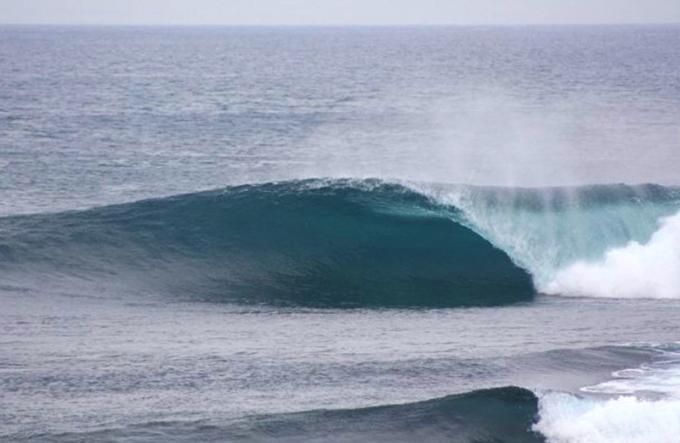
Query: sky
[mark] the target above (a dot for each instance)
(338, 12)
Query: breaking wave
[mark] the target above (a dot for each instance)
(366, 243)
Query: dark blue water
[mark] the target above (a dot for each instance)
(340, 234)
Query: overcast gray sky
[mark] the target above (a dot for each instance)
(319, 12)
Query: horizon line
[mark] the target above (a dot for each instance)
(336, 25)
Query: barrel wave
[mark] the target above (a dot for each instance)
(359, 243)
(305, 243)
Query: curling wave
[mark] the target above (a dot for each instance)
(365, 243)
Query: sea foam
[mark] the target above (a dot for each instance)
(566, 418)
(646, 408)
(649, 270)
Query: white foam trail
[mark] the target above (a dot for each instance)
(565, 418)
(661, 377)
(650, 270)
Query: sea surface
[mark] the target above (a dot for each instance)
(398, 234)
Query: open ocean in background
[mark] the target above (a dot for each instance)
(437, 234)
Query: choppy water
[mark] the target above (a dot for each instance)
(326, 234)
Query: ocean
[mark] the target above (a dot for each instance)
(340, 234)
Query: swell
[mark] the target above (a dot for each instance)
(305, 243)
(484, 416)
(366, 243)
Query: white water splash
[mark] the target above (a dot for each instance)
(650, 270)
(566, 418)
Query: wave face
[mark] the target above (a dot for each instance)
(307, 243)
(486, 416)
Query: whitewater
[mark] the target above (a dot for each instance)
(634, 270)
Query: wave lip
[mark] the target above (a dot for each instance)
(307, 243)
